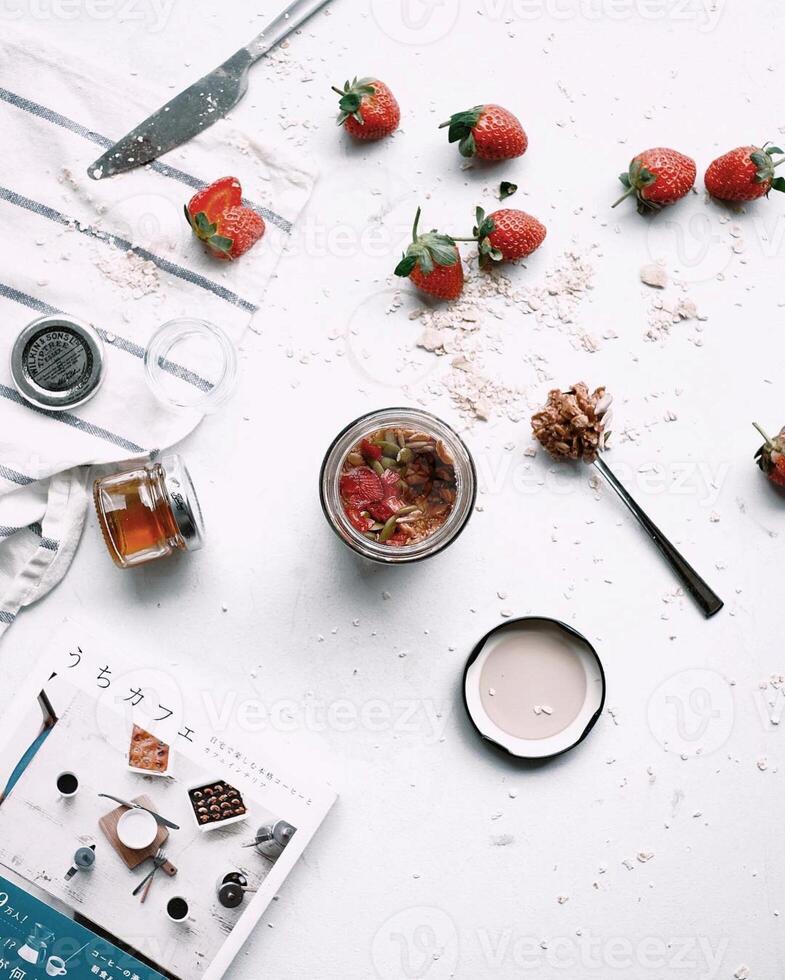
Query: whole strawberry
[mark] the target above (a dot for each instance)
(507, 234)
(369, 110)
(488, 132)
(433, 263)
(744, 174)
(771, 456)
(658, 177)
(218, 218)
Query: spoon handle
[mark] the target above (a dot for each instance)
(706, 597)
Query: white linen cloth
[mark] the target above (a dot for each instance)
(119, 254)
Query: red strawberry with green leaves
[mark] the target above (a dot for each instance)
(507, 234)
(771, 456)
(369, 110)
(658, 177)
(488, 132)
(218, 218)
(433, 263)
(745, 174)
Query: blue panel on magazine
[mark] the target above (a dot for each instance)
(38, 942)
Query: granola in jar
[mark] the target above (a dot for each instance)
(398, 486)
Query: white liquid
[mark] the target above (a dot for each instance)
(533, 682)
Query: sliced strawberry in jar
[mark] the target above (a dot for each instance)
(361, 485)
(357, 519)
(383, 510)
(391, 483)
(370, 450)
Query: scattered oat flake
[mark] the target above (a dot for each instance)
(655, 275)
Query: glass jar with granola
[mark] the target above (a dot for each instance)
(398, 485)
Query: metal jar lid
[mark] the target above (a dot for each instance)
(57, 362)
(183, 501)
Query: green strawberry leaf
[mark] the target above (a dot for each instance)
(439, 248)
(425, 261)
(350, 102)
(625, 179)
(220, 243)
(406, 266)
(773, 149)
(486, 228)
(506, 189)
(467, 146)
(778, 184)
(204, 226)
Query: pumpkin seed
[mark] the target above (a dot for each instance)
(388, 463)
(388, 447)
(356, 459)
(389, 529)
(378, 468)
(405, 455)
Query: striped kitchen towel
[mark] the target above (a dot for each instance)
(119, 254)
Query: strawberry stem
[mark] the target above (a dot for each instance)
(625, 195)
(416, 223)
(763, 433)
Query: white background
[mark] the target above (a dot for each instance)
(442, 859)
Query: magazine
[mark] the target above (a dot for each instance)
(143, 830)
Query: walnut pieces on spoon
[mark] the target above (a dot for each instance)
(573, 423)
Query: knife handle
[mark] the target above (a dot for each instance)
(291, 18)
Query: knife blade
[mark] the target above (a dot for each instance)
(138, 806)
(201, 104)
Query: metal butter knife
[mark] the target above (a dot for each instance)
(203, 103)
(138, 806)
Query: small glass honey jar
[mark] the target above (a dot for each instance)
(149, 512)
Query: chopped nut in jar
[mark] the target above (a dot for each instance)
(398, 486)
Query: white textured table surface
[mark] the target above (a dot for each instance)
(441, 859)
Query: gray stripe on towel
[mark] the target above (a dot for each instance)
(49, 543)
(7, 617)
(73, 420)
(162, 168)
(13, 476)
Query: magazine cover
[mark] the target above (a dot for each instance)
(142, 834)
